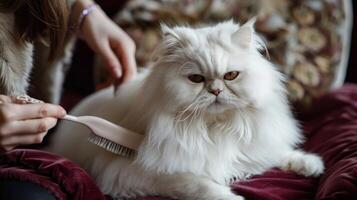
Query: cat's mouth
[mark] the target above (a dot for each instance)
(216, 106)
(217, 102)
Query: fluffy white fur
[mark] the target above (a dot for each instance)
(15, 58)
(195, 142)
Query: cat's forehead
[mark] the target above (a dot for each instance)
(214, 61)
(226, 26)
(211, 35)
(209, 50)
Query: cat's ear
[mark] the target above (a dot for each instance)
(167, 31)
(243, 37)
(170, 42)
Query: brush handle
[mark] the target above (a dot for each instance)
(109, 130)
(71, 118)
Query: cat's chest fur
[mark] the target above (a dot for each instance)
(207, 147)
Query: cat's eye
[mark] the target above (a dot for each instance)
(196, 78)
(231, 75)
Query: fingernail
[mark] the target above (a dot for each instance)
(117, 72)
(116, 84)
(63, 112)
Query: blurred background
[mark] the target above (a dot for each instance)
(311, 41)
(352, 64)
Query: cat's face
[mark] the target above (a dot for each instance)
(215, 69)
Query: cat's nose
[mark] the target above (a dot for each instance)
(215, 91)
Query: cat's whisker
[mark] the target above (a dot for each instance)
(194, 103)
(193, 115)
(180, 119)
(187, 108)
(196, 113)
(237, 103)
(189, 115)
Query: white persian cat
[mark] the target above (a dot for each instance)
(212, 108)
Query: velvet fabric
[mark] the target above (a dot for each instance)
(61, 177)
(330, 129)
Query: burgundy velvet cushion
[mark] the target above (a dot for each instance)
(331, 131)
(64, 179)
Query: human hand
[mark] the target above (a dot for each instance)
(113, 45)
(22, 124)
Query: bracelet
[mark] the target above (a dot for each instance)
(85, 12)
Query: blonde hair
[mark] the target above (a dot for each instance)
(39, 18)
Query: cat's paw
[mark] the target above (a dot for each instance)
(303, 163)
(232, 197)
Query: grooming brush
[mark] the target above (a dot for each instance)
(109, 136)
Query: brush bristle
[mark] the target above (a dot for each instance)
(111, 146)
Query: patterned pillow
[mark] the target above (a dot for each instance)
(308, 40)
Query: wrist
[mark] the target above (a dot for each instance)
(78, 6)
(80, 11)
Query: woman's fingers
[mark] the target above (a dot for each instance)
(5, 99)
(10, 112)
(125, 50)
(8, 148)
(27, 127)
(115, 47)
(22, 124)
(22, 140)
(24, 132)
(111, 60)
